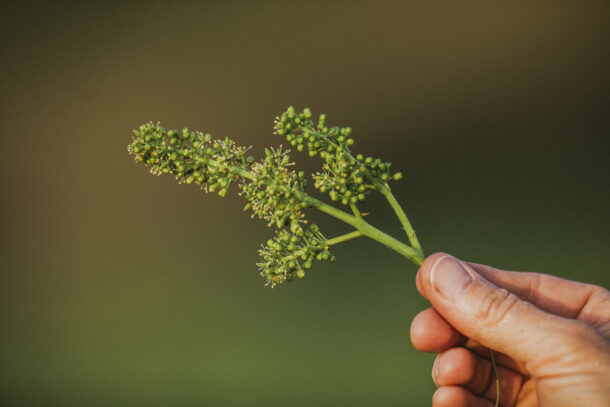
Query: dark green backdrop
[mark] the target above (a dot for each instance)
(122, 289)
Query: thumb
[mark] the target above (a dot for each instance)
(496, 317)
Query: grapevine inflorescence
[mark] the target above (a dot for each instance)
(275, 192)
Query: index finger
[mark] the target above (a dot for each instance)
(569, 299)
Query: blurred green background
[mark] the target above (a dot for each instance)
(118, 288)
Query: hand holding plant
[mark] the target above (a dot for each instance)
(552, 336)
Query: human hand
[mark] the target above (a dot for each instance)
(551, 336)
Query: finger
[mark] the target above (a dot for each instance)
(570, 299)
(455, 396)
(495, 317)
(461, 367)
(431, 333)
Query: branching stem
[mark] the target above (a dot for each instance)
(400, 213)
(366, 229)
(330, 242)
(355, 210)
(343, 238)
(387, 193)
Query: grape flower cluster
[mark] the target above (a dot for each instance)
(344, 177)
(193, 157)
(274, 191)
(273, 194)
(289, 254)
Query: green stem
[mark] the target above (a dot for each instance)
(367, 229)
(359, 224)
(330, 242)
(402, 217)
(387, 193)
(343, 238)
(355, 210)
(237, 170)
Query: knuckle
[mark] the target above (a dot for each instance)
(531, 294)
(496, 305)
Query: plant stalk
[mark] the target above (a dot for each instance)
(366, 229)
(343, 238)
(400, 213)
(387, 193)
(330, 242)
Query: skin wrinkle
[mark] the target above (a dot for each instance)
(484, 315)
(584, 313)
(528, 392)
(538, 283)
(531, 294)
(496, 305)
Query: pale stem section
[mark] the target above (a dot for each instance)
(335, 240)
(402, 217)
(355, 210)
(343, 238)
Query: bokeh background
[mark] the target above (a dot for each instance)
(120, 288)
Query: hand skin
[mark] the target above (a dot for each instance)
(550, 336)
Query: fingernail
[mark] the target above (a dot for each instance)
(449, 277)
